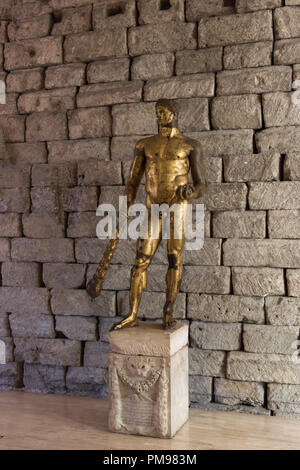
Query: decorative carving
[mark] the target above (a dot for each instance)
(139, 391)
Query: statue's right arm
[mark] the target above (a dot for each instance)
(136, 172)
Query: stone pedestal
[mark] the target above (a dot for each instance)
(148, 380)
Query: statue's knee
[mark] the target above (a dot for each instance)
(173, 261)
(142, 261)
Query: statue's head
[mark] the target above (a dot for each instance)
(166, 112)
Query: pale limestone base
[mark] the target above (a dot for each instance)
(148, 394)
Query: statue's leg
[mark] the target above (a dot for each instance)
(174, 275)
(146, 249)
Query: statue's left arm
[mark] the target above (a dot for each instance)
(197, 189)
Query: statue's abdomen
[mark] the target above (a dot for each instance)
(163, 176)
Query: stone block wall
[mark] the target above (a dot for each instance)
(82, 77)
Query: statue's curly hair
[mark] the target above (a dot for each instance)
(171, 105)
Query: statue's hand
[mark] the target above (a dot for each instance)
(188, 191)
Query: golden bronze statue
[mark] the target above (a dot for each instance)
(166, 159)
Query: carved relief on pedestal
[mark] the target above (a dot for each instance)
(139, 394)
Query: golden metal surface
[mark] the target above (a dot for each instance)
(166, 159)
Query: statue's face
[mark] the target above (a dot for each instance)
(164, 115)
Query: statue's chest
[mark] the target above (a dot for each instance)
(164, 149)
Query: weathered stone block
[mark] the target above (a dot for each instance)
(10, 225)
(113, 13)
(293, 282)
(92, 122)
(258, 281)
(200, 389)
(63, 174)
(282, 310)
(80, 328)
(4, 249)
(262, 367)
(284, 224)
(54, 352)
(269, 338)
(12, 176)
(239, 224)
(10, 107)
(108, 70)
(287, 22)
(3, 30)
(45, 200)
(93, 172)
(286, 51)
(65, 76)
(193, 114)
(256, 167)
(236, 112)
(173, 36)
(275, 195)
(80, 198)
(10, 376)
(62, 275)
(279, 110)
(117, 278)
(229, 392)
(82, 224)
(59, 100)
(244, 6)
(14, 200)
(102, 94)
(196, 9)
(206, 279)
(291, 166)
(44, 250)
(4, 326)
(95, 45)
(273, 253)
(225, 308)
(218, 143)
(134, 119)
(46, 126)
(227, 337)
(86, 381)
(96, 354)
(256, 80)
(152, 66)
(28, 325)
(209, 254)
(78, 150)
(33, 52)
(257, 54)
(43, 378)
(207, 363)
(152, 11)
(13, 128)
(21, 274)
(19, 300)
(187, 86)
(234, 29)
(203, 60)
(32, 28)
(27, 153)
(43, 226)
(72, 20)
(73, 301)
(226, 196)
(284, 397)
(282, 140)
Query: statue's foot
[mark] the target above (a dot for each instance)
(128, 322)
(169, 322)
